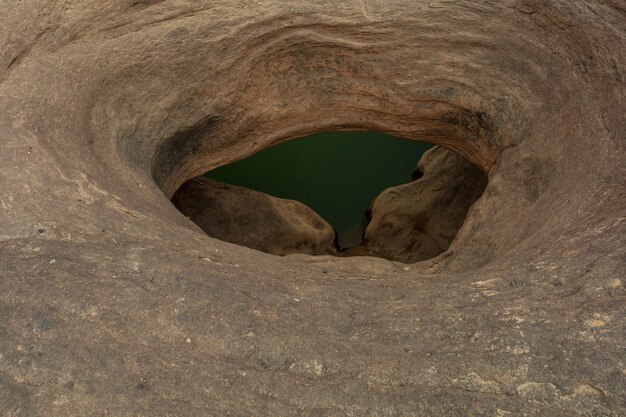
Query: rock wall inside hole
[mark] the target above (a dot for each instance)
(112, 302)
(406, 223)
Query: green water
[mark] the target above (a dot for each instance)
(337, 174)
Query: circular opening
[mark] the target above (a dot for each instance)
(339, 193)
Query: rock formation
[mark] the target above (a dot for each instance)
(254, 219)
(114, 303)
(419, 220)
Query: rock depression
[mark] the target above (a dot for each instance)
(113, 303)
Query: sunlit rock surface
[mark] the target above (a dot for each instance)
(254, 219)
(114, 303)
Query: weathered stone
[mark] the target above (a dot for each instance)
(419, 220)
(254, 219)
(121, 306)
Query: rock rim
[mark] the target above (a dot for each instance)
(113, 303)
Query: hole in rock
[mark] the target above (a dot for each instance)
(338, 193)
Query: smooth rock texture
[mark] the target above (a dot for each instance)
(253, 219)
(419, 220)
(112, 303)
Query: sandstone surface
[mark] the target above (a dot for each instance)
(253, 219)
(113, 303)
(419, 220)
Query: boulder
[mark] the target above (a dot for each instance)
(419, 220)
(254, 219)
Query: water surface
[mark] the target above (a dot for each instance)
(337, 174)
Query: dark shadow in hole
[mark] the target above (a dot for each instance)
(417, 174)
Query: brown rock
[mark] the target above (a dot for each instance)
(254, 219)
(419, 220)
(108, 107)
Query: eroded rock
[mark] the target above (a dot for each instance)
(122, 307)
(419, 220)
(254, 219)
